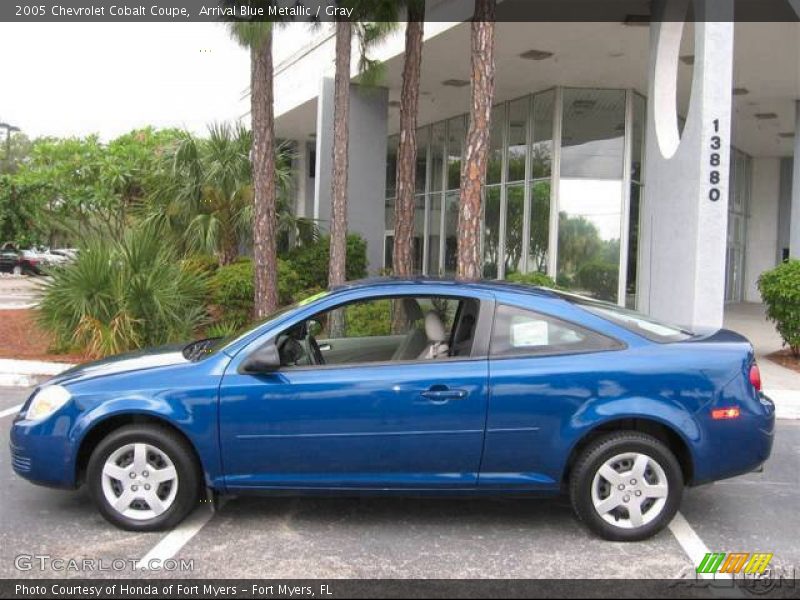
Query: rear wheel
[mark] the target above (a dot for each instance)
(626, 486)
(143, 478)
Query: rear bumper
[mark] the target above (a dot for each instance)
(733, 448)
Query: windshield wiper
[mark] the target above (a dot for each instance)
(200, 349)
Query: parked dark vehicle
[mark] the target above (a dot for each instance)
(19, 262)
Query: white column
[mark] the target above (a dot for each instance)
(762, 226)
(366, 178)
(794, 225)
(685, 212)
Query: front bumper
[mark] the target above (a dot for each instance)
(42, 453)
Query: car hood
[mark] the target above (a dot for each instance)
(125, 363)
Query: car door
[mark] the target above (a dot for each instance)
(543, 369)
(381, 424)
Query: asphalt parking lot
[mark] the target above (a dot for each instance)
(399, 538)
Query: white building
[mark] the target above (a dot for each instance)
(647, 164)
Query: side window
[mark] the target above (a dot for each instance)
(518, 331)
(403, 328)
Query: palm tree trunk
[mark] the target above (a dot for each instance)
(341, 119)
(473, 171)
(229, 249)
(264, 185)
(402, 254)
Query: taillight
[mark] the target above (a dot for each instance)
(755, 377)
(720, 414)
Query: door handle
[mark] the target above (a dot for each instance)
(443, 395)
(324, 347)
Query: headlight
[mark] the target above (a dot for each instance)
(47, 401)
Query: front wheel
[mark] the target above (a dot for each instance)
(143, 478)
(626, 486)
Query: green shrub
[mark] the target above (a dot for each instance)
(600, 278)
(223, 329)
(534, 278)
(311, 261)
(371, 318)
(202, 264)
(233, 290)
(122, 295)
(289, 283)
(780, 290)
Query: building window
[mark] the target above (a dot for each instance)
(635, 200)
(590, 191)
(540, 158)
(738, 206)
(491, 230)
(520, 233)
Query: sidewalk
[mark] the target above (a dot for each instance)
(781, 384)
(25, 373)
(19, 291)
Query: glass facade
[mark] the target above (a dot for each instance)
(562, 196)
(586, 129)
(591, 191)
(738, 207)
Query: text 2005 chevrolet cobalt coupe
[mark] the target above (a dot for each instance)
(412, 387)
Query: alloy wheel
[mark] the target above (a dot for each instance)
(139, 481)
(630, 490)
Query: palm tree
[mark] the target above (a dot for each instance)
(473, 171)
(257, 36)
(206, 195)
(371, 20)
(341, 142)
(206, 191)
(402, 258)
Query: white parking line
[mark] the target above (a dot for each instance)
(10, 411)
(692, 545)
(176, 539)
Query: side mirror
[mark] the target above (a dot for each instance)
(264, 360)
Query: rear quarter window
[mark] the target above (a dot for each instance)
(518, 331)
(635, 322)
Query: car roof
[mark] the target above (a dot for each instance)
(482, 284)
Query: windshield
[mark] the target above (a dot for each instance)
(202, 348)
(635, 322)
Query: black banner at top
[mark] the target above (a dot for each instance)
(631, 12)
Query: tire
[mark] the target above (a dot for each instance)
(153, 454)
(621, 489)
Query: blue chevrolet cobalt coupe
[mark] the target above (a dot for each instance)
(410, 387)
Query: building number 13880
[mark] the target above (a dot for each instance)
(715, 161)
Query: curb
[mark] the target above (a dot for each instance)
(26, 373)
(787, 403)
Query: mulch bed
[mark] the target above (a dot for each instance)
(785, 359)
(21, 337)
